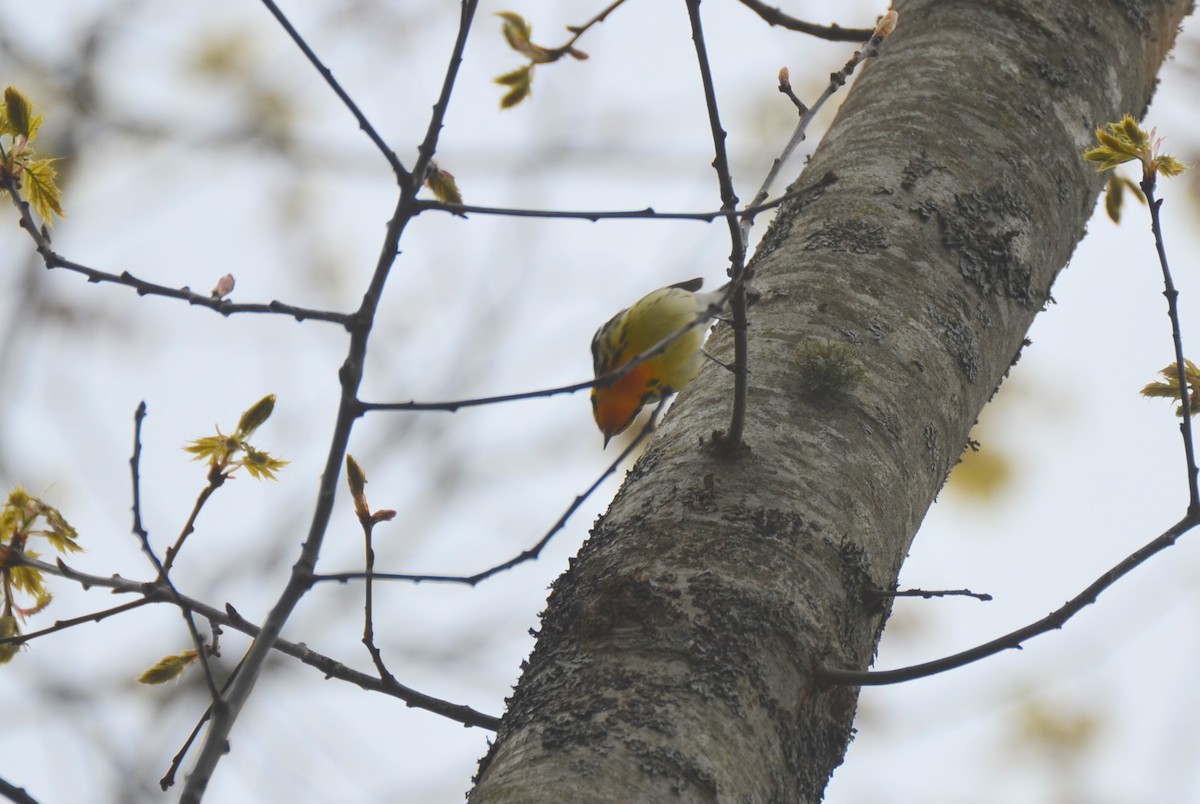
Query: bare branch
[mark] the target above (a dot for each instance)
(580, 30)
(731, 441)
(833, 33)
(929, 594)
(202, 650)
(1015, 639)
(527, 555)
(1172, 295)
(63, 625)
(51, 259)
(154, 592)
(807, 113)
(327, 74)
(15, 794)
(428, 146)
(349, 409)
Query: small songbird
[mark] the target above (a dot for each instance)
(640, 328)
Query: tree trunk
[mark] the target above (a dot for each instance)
(676, 659)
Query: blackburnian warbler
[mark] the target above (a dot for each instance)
(640, 328)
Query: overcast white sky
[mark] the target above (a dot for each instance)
(493, 305)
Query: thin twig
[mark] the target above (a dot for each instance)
(368, 638)
(202, 651)
(15, 794)
(154, 592)
(363, 122)
(1016, 639)
(428, 146)
(606, 380)
(731, 441)
(836, 81)
(168, 778)
(51, 259)
(1172, 295)
(453, 406)
(832, 33)
(62, 625)
(647, 213)
(216, 743)
(526, 555)
(216, 479)
(580, 30)
(928, 594)
(785, 86)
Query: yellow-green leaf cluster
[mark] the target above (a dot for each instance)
(1170, 388)
(24, 517)
(227, 453)
(518, 33)
(20, 166)
(261, 465)
(169, 668)
(1126, 141)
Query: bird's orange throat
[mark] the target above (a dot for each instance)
(615, 406)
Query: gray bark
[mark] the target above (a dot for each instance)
(676, 657)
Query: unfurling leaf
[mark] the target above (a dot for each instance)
(515, 29)
(169, 668)
(60, 535)
(357, 480)
(517, 33)
(1169, 166)
(44, 195)
(254, 418)
(1170, 388)
(9, 628)
(28, 579)
(218, 448)
(519, 83)
(1114, 196)
(442, 183)
(19, 119)
(260, 465)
